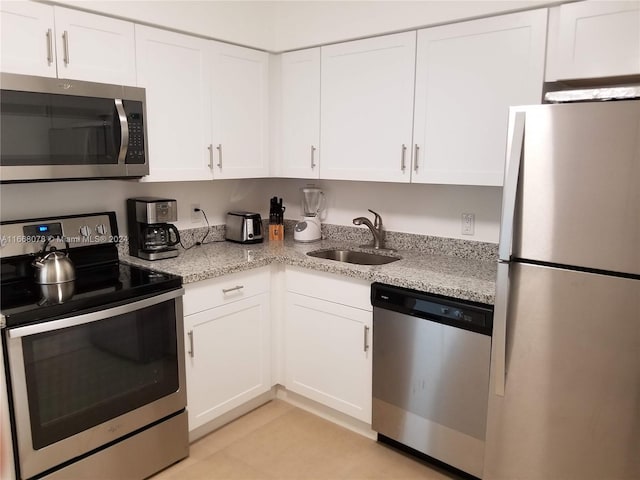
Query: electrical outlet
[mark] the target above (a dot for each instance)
(468, 223)
(196, 215)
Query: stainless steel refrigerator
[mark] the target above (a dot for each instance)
(564, 400)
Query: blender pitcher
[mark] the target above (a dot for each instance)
(309, 228)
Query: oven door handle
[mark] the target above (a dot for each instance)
(93, 316)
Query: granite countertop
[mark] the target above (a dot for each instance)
(466, 279)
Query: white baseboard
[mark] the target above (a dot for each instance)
(280, 392)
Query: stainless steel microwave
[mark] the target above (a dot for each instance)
(54, 129)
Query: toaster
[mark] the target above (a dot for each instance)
(243, 227)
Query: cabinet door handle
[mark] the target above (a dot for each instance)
(313, 152)
(49, 46)
(210, 148)
(190, 335)
(403, 164)
(219, 148)
(366, 338)
(232, 289)
(416, 151)
(65, 39)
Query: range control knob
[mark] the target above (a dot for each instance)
(85, 231)
(101, 229)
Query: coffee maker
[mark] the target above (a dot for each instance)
(150, 234)
(309, 228)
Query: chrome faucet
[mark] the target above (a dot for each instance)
(375, 227)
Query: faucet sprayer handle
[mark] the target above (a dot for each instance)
(377, 222)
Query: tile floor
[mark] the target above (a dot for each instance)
(280, 441)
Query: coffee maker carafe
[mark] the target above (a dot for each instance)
(150, 235)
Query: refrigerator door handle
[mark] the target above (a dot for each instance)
(499, 336)
(512, 171)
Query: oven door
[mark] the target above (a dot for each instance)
(81, 382)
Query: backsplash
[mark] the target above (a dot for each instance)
(467, 249)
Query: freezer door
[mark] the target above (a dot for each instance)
(571, 404)
(578, 200)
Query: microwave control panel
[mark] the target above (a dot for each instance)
(135, 153)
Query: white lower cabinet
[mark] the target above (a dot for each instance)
(228, 347)
(328, 354)
(326, 350)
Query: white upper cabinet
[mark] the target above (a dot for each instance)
(300, 113)
(50, 41)
(28, 43)
(174, 70)
(594, 39)
(467, 76)
(239, 86)
(95, 48)
(367, 109)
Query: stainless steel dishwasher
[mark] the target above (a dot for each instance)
(431, 358)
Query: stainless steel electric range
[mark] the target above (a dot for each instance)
(94, 366)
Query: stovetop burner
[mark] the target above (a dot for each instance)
(101, 280)
(23, 301)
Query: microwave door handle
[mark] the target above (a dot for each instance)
(124, 131)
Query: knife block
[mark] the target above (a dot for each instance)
(276, 232)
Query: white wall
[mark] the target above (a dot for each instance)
(32, 200)
(285, 25)
(422, 209)
(248, 23)
(302, 24)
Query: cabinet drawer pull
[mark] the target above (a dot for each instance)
(366, 338)
(190, 335)
(415, 157)
(65, 39)
(403, 164)
(232, 289)
(49, 47)
(313, 162)
(219, 148)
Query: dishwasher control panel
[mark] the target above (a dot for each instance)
(449, 311)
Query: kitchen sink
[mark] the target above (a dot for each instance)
(353, 256)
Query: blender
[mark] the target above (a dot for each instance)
(313, 202)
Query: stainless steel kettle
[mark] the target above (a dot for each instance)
(54, 266)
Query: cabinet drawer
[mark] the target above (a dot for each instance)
(218, 291)
(327, 286)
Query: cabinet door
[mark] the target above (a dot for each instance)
(328, 354)
(467, 76)
(228, 357)
(174, 70)
(300, 128)
(595, 39)
(367, 108)
(239, 111)
(28, 39)
(95, 48)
